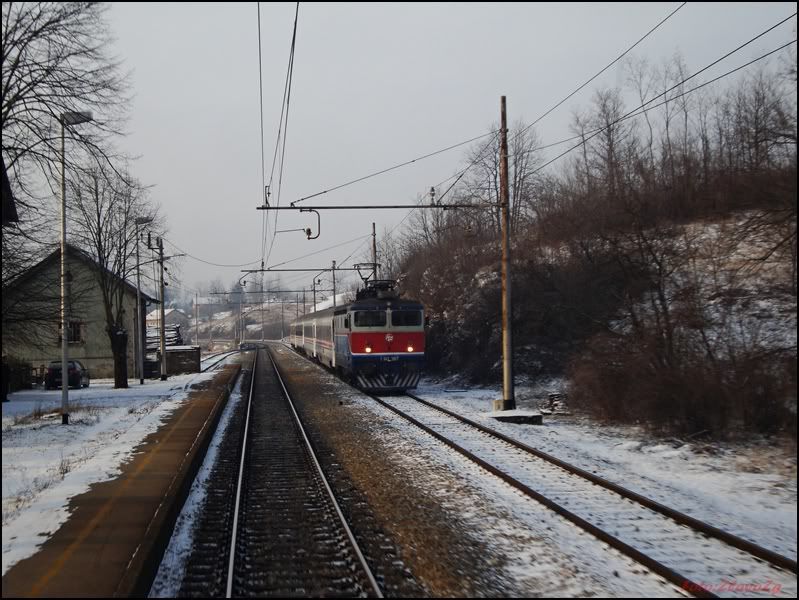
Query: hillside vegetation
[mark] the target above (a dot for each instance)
(655, 269)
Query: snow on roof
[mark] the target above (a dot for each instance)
(155, 314)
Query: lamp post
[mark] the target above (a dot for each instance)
(140, 358)
(66, 119)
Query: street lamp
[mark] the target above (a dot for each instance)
(67, 119)
(140, 358)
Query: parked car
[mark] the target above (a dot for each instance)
(78, 375)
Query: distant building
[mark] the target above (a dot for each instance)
(32, 315)
(172, 316)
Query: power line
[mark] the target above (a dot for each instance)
(264, 220)
(480, 154)
(382, 171)
(605, 68)
(287, 101)
(635, 112)
(458, 176)
(322, 250)
(205, 261)
(277, 142)
(613, 62)
(659, 104)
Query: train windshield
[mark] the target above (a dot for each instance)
(406, 318)
(369, 318)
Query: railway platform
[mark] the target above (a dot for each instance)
(116, 533)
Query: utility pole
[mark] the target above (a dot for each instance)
(262, 307)
(163, 310)
(241, 316)
(334, 284)
(196, 320)
(141, 322)
(508, 395)
(303, 301)
(374, 250)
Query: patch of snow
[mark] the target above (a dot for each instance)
(703, 481)
(46, 463)
(173, 565)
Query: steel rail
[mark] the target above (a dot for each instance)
(229, 586)
(650, 563)
(755, 550)
(226, 355)
(353, 542)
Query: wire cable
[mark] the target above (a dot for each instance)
(617, 59)
(458, 176)
(659, 104)
(287, 101)
(206, 261)
(261, 115)
(320, 251)
(382, 171)
(279, 133)
(642, 106)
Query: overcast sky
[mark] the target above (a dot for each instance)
(374, 85)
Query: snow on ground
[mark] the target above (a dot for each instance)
(46, 463)
(749, 490)
(173, 565)
(534, 553)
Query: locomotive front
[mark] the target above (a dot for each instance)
(386, 342)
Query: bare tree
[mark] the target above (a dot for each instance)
(481, 184)
(54, 61)
(105, 209)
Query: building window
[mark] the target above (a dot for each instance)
(74, 331)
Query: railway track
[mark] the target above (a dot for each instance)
(217, 359)
(695, 556)
(271, 524)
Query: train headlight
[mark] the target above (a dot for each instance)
(368, 349)
(410, 348)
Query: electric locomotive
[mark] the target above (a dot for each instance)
(376, 342)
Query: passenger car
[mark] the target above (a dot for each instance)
(78, 375)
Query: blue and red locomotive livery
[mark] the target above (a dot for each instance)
(376, 342)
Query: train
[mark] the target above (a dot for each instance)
(376, 342)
